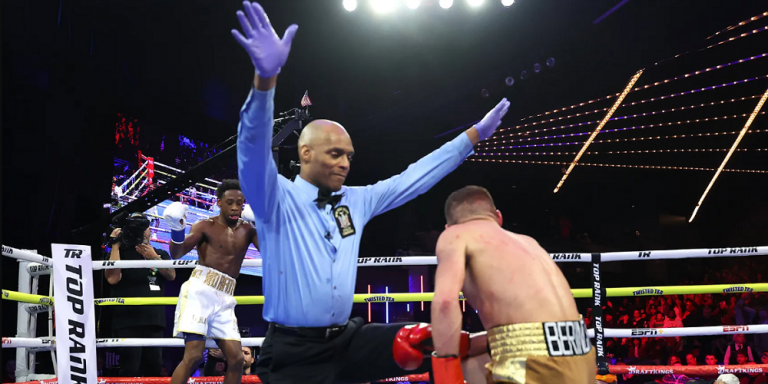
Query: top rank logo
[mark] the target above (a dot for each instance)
(566, 256)
(379, 260)
(7, 250)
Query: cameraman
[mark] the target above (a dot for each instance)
(130, 321)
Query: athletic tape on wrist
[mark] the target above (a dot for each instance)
(177, 236)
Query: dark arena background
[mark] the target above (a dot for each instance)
(104, 102)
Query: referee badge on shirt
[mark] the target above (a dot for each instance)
(344, 221)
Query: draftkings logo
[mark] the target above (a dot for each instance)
(632, 370)
(723, 370)
(380, 299)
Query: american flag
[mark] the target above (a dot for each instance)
(305, 100)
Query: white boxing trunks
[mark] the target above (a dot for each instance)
(207, 306)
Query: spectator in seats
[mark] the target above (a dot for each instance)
(657, 322)
(738, 345)
(672, 320)
(675, 379)
(623, 322)
(635, 350)
(674, 360)
(657, 349)
(708, 317)
(164, 372)
(215, 364)
(761, 339)
(638, 320)
(131, 321)
(727, 379)
(753, 378)
(710, 360)
(692, 316)
(651, 311)
(690, 359)
(248, 362)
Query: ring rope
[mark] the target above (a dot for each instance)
(424, 260)
(45, 343)
(579, 293)
(699, 370)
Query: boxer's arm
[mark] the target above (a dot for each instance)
(192, 239)
(419, 177)
(255, 166)
(449, 279)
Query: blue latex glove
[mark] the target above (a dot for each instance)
(268, 52)
(487, 126)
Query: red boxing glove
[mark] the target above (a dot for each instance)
(408, 349)
(447, 370)
(413, 340)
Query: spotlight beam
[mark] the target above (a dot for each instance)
(728, 156)
(600, 126)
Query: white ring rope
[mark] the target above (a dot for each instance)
(44, 343)
(425, 260)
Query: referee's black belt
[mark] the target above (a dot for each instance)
(309, 332)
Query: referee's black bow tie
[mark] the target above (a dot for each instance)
(324, 198)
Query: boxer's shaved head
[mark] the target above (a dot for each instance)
(325, 152)
(468, 203)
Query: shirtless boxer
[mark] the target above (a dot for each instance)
(206, 305)
(535, 334)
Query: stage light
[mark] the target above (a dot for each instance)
(412, 4)
(350, 5)
(524, 75)
(537, 67)
(445, 4)
(507, 3)
(509, 81)
(475, 3)
(551, 62)
(383, 6)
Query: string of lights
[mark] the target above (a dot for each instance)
(752, 32)
(600, 126)
(732, 27)
(680, 136)
(624, 117)
(617, 165)
(620, 152)
(696, 90)
(733, 148)
(694, 73)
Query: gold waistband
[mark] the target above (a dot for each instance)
(214, 279)
(517, 340)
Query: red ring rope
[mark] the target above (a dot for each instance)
(697, 370)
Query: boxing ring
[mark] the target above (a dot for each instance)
(33, 265)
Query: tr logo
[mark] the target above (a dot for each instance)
(73, 253)
(644, 254)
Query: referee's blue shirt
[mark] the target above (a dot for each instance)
(309, 267)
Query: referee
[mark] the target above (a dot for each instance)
(310, 229)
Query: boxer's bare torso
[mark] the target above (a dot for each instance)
(509, 278)
(222, 247)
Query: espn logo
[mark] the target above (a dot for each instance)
(567, 338)
(646, 332)
(735, 328)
